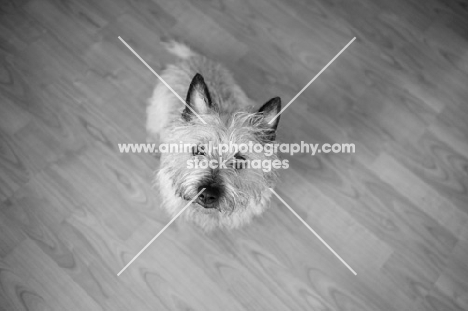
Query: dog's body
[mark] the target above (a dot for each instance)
(232, 196)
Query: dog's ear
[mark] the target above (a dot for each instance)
(268, 111)
(198, 98)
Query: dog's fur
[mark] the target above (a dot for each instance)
(214, 95)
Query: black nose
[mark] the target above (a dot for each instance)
(209, 197)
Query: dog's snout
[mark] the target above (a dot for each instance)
(208, 197)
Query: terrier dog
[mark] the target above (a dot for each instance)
(232, 195)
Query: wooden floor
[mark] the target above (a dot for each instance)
(74, 211)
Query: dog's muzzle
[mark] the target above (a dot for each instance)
(209, 197)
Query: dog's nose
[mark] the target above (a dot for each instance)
(208, 198)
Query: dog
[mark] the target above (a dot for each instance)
(216, 111)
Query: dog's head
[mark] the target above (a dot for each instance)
(235, 180)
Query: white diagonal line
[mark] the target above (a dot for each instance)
(316, 76)
(315, 233)
(162, 230)
(161, 79)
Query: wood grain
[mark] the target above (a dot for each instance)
(74, 211)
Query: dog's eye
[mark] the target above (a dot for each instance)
(239, 162)
(198, 150)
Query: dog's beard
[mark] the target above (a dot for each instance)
(243, 197)
(231, 198)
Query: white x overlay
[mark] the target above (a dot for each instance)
(282, 110)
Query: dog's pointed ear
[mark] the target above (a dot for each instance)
(198, 98)
(269, 111)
